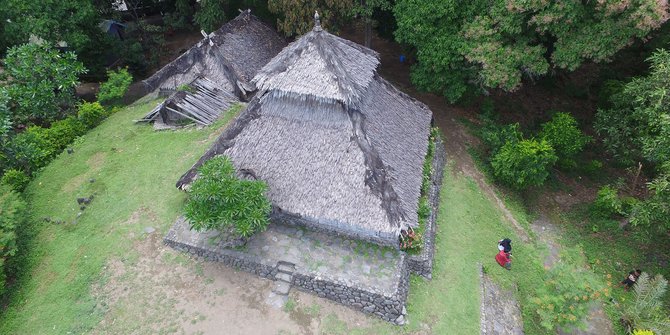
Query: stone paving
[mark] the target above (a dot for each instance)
(364, 265)
(351, 262)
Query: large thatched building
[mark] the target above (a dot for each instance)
(340, 148)
(214, 73)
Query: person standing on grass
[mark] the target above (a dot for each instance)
(504, 259)
(505, 245)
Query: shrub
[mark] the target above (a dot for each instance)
(655, 210)
(607, 203)
(496, 136)
(217, 200)
(524, 163)
(112, 91)
(646, 311)
(59, 135)
(16, 179)
(12, 215)
(34, 148)
(563, 298)
(91, 114)
(564, 135)
(25, 151)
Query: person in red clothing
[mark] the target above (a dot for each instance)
(504, 259)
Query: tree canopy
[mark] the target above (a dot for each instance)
(495, 44)
(41, 81)
(297, 16)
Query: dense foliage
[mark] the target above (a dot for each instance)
(74, 22)
(564, 135)
(41, 82)
(637, 126)
(646, 311)
(297, 17)
(523, 164)
(210, 15)
(218, 199)
(563, 298)
(112, 91)
(655, 210)
(12, 215)
(496, 44)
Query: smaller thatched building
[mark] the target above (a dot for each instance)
(226, 60)
(340, 148)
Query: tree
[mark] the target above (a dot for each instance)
(298, 15)
(524, 163)
(219, 200)
(74, 22)
(41, 82)
(637, 126)
(210, 15)
(496, 44)
(365, 9)
(655, 210)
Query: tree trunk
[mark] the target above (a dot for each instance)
(368, 33)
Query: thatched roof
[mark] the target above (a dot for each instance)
(321, 65)
(337, 144)
(230, 56)
(201, 102)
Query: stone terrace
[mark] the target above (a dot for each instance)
(355, 273)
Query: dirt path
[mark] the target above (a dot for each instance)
(155, 289)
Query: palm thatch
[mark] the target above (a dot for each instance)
(337, 144)
(200, 102)
(230, 56)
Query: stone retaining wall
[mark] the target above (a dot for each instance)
(228, 257)
(422, 264)
(388, 307)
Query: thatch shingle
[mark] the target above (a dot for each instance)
(337, 144)
(231, 56)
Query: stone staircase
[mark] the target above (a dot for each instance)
(283, 278)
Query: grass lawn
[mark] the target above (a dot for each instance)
(469, 227)
(134, 170)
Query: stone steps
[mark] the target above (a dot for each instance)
(283, 278)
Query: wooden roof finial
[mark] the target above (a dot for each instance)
(317, 21)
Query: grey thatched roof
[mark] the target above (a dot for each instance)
(337, 144)
(202, 102)
(230, 56)
(321, 65)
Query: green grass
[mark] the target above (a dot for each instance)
(469, 226)
(135, 170)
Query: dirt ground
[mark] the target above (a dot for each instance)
(156, 290)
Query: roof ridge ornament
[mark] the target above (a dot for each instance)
(317, 22)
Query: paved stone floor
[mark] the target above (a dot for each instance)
(352, 262)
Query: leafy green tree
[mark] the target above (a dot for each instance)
(218, 200)
(524, 163)
(655, 210)
(297, 16)
(564, 135)
(637, 126)
(112, 91)
(365, 9)
(41, 82)
(210, 15)
(74, 22)
(495, 44)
